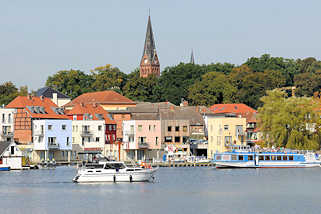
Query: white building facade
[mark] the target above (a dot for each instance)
(10, 155)
(6, 124)
(52, 140)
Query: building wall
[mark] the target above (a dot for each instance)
(221, 127)
(114, 107)
(119, 118)
(184, 130)
(151, 129)
(96, 138)
(6, 124)
(61, 101)
(13, 160)
(22, 127)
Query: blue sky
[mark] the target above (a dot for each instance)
(39, 38)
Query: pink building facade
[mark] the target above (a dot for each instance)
(142, 139)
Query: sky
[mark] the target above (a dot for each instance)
(38, 38)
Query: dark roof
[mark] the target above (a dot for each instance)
(149, 47)
(4, 146)
(47, 92)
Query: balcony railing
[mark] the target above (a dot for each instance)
(7, 134)
(86, 133)
(142, 145)
(39, 133)
(53, 146)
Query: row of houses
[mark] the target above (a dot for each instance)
(51, 126)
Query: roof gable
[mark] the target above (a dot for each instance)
(48, 92)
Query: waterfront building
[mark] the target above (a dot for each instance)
(41, 128)
(116, 105)
(10, 155)
(57, 97)
(93, 131)
(142, 139)
(149, 64)
(241, 110)
(6, 124)
(225, 131)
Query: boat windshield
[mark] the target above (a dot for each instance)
(114, 166)
(94, 166)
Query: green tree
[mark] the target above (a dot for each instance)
(8, 91)
(307, 83)
(175, 81)
(70, 82)
(289, 122)
(213, 88)
(108, 78)
(142, 89)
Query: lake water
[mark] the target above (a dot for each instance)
(177, 190)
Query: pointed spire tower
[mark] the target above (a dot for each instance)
(149, 63)
(192, 58)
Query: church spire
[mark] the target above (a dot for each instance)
(192, 58)
(149, 63)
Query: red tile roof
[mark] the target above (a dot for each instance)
(91, 109)
(238, 109)
(24, 101)
(101, 97)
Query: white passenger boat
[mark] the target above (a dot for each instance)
(247, 159)
(113, 171)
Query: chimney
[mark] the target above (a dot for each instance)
(55, 98)
(82, 105)
(29, 97)
(95, 105)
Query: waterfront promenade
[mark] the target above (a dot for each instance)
(176, 190)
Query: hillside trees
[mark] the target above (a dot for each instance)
(8, 91)
(289, 122)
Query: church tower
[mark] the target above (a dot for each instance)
(149, 63)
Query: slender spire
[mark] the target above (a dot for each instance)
(192, 58)
(149, 47)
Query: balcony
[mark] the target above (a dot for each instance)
(53, 146)
(142, 145)
(38, 132)
(86, 133)
(7, 134)
(129, 132)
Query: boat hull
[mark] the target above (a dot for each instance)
(5, 168)
(139, 176)
(266, 165)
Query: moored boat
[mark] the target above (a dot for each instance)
(113, 171)
(247, 159)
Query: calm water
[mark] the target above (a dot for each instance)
(178, 190)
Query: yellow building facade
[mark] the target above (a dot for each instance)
(224, 133)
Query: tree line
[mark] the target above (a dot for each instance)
(199, 84)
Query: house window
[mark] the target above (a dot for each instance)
(73, 140)
(169, 128)
(49, 127)
(3, 118)
(12, 150)
(225, 127)
(63, 127)
(51, 140)
(88, 139)
(74, 117)
(82, 141)
(154, 128)
(185, 139)
(99, 128)
(228, 140)
(168, 139)
(149, 127)
(67, 143)
(97, 139)
(184, 128)
(140, 127)
(63, 154)
(9, 118)
(177, 128)
(114, 127)
(177, 139)
(156, 141)
(110, 127)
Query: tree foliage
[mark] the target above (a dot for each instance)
(8, 91)
(70, 82)
(290, 122)
(213, 88)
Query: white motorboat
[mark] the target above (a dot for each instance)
(113, 171)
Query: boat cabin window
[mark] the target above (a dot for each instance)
(278, 157)
(291, 157)
(285, 157)
(95, 166)
(241, 157)
(267, 157)
(273, 157)
(234, 157)
(261, 157)
(250, 157)
(114, 166)
(218, 157)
